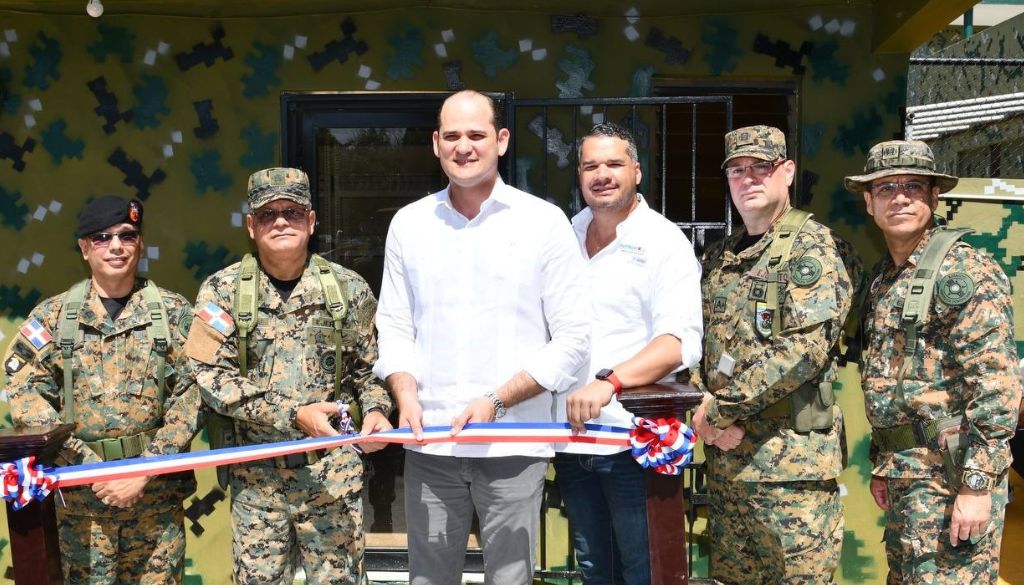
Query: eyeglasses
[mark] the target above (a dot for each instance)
(912, 189)
(103, 239)
(294, 215)
(760, 169)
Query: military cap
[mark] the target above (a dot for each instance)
(899, 157)
(278, 183)
(763, 142)
(106, 211)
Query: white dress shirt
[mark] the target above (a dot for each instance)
(644, 284)
(466, 304)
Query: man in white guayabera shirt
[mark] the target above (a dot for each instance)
(482, 317)
(645, 311)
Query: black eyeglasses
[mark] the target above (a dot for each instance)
(760, 169)
(912, 189)
(103, 239)
(294, 215)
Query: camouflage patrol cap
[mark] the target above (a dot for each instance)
(278, 183)
(899, 157)
(763, 142)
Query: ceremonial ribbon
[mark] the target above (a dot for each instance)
(23, 480)
(664, 445)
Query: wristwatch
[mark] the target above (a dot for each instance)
(499, 406)
(608, 375)
(978, 481)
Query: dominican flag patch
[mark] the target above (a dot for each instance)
(36, 334)
(216, 317)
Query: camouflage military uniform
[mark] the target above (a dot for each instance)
(968, 366)
(115, 395)
(291, 357)
(774, 513)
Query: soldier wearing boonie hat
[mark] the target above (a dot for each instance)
(899, 157)
(107, 355)
(775, 293)
(278, 183)
(940, 377)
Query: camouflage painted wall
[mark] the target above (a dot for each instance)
(178, 111)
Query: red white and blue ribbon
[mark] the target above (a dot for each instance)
(664, 445)
(23, 480)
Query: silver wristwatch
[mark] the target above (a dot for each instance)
(499, 406)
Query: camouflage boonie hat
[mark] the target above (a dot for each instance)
(899, 157)
(278, 183)
(763, 142)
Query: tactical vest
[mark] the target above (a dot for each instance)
(915, 314)
(68, 331)
(809, 407)
(220, 428)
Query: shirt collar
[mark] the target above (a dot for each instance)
(499, 195)
(581, 221)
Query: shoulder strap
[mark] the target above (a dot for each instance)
(67, 330)
(246, 301)
(778, 253)
(919, 297)
(158, 333)
(337, 305)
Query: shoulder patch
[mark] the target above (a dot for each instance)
(216, 317)
(806, 270)
(955, 289)
(13, 364)
(36, 334)
(21, 348)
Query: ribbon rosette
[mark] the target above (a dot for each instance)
(664, 445)
(23, 480)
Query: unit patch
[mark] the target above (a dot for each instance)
(758, 290)
(763, 317)
(955, 289)
(217, 318)
(328, 362)
(805, 271)
(13, 364)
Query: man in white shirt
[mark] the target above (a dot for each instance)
(481, 317)
(645, 312)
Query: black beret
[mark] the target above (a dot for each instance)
(106, 211)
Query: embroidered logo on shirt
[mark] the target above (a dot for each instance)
(636, 253)
(955, 289)
(763, 318)
(216, 317)
(36, 334)
(13, 364)
(758, 290)
(719, 304)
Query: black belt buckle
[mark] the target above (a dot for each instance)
(921, 435)
(296, 460)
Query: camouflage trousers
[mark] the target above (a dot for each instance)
(917, 536)
(772, 533)
(281, 516)
(127, 549)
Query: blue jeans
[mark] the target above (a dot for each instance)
(606, 499)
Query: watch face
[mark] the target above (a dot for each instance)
(603, 374)
(975, 481)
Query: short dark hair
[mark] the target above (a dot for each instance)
(496, 112)
(611, 130)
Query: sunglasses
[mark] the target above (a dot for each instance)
(103, 239)
(760, 169)
(293, 215)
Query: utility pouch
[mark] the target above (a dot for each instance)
(951, 445)
(220, 432)
(812, 407)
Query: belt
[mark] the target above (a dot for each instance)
(912, 435)
(295, 460)
(122, 447)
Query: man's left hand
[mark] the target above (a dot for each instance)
(479, 410)
(121, 493)
(972, 511)
(586, 403)
(374, 422)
